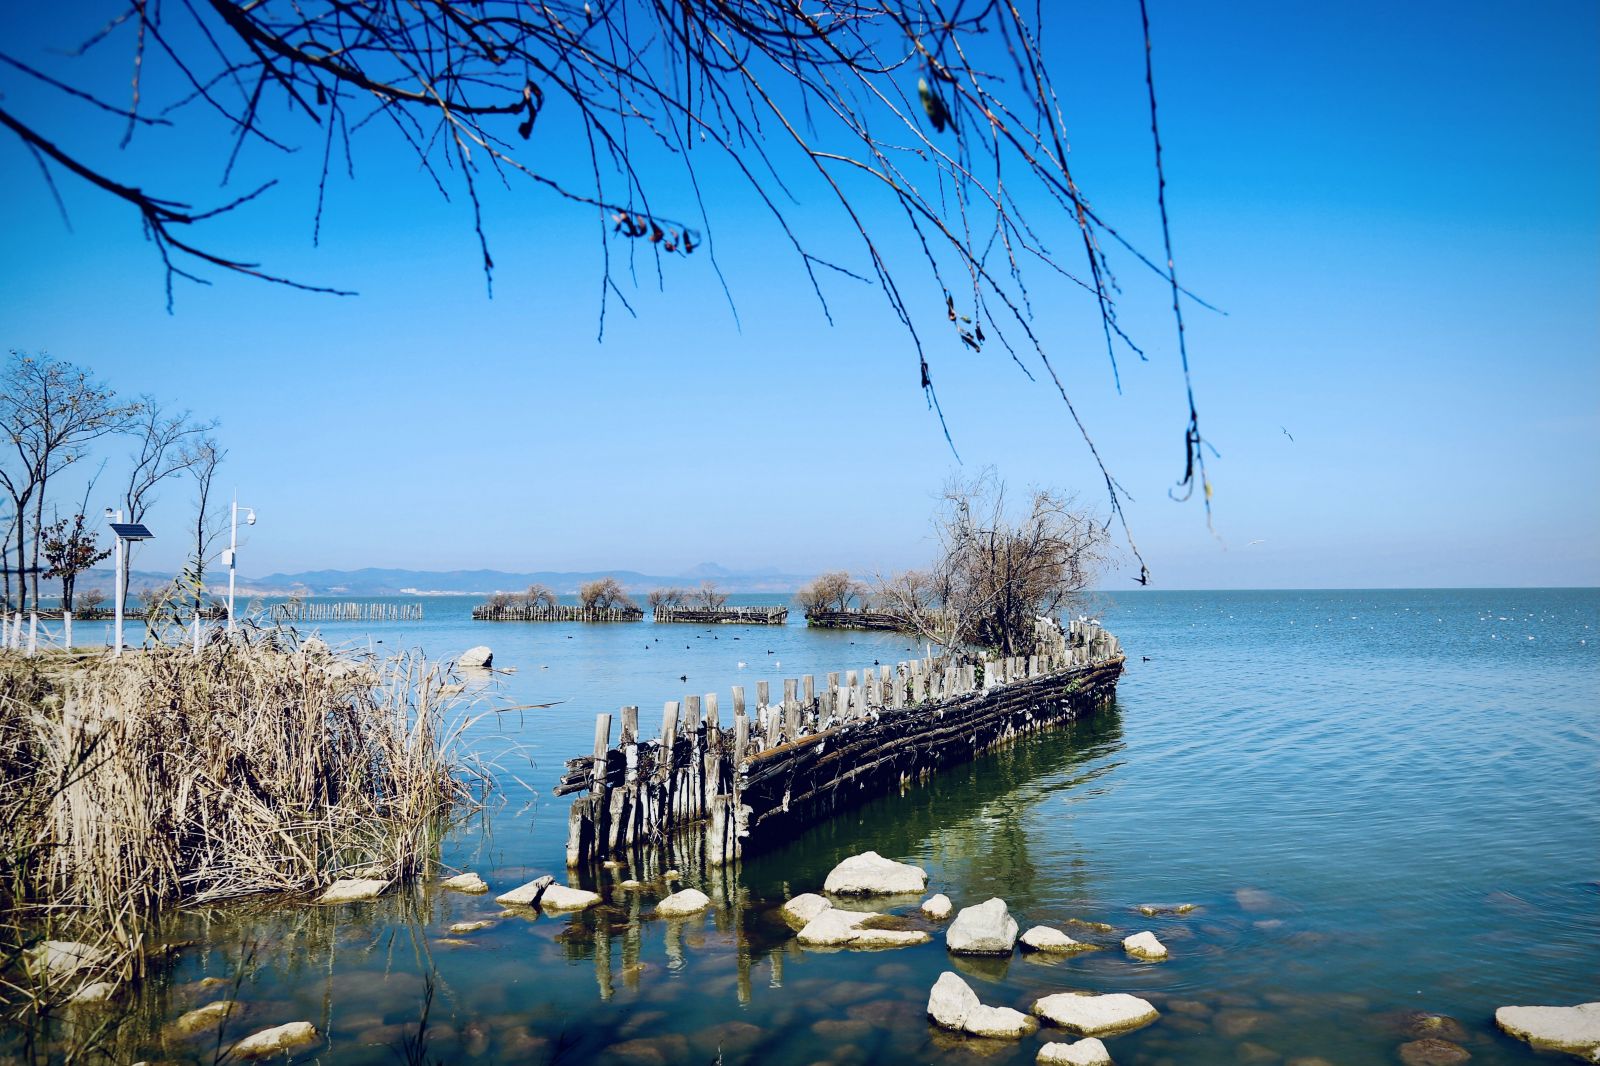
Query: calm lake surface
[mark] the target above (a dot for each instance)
(1381, 802)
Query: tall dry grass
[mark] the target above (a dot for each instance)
(166, 777)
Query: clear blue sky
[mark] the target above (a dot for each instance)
(1396, 204)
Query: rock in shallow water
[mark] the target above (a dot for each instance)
(1044, 938)
(1432, 1052)
(203, 1017)
(953, 1005)
(278, 1038)
(63, 958)
(1086, 1052)
(1144, 946)
(476, 658)
(686, 901)
(835, 927)
(95, 992)
(1574, 1029)
(937, 907)
(984, 929)
(562, 898)
(526, 895)
(467, 882)
(353, 889)
(870, 874)
(804, 907)
(1088, 1014)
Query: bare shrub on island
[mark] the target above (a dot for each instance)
(603, 594)
(999, 568)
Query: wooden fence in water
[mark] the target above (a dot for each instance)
(312, 611)
(750, 616)
(856, 619)
(561, 612)
(787, 763)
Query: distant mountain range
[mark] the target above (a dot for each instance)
(379, 581)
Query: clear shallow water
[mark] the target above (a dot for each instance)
(1382, 802)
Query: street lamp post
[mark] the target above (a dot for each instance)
(122, 532)
(233, 552)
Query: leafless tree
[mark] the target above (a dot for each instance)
(666, 597)
(539, 596)
(200, 459)
(50, 410)
(162, 451)
(835, 590)
(999, 571)
(604, 593)
(919, 124)
(709, 597)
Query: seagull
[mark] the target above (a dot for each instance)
(743, 664)
(1286, 433)
(1259, 540)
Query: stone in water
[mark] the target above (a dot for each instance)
(870, 874)
(984, 929)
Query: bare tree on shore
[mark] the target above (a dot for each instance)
(50, 410)
(164, 449)
(200, 459)
(999, 570)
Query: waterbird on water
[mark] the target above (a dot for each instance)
(683, 677)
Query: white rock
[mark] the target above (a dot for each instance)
(870, 874)
(999, 1022)
(630, 885)
(937, 907)
(1044, 938)
(1085, 1052)
(278, 1038)
(1574, 1029)
(63, 958)
(951, 1000)
(1088, 1014)
(686, 901)
(562, 898)
(94, 992)
(477, 657)
(204, 1017)
(1144, 946)
(467, 882)
(353, 889)
(984, 929)
(804, 907)
(463, 928)
(526, 895)
(954, 1005)
(836, 927)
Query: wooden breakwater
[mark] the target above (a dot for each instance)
(314, 611)
(793, 761)
(750, 616)
(856, 619)
(561, 612)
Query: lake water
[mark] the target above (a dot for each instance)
(1381, 802)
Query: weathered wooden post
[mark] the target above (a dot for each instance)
(809, 684)
(665, 771)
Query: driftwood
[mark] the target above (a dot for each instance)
(751, 616)
(791, 762)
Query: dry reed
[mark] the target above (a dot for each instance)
(166, 777)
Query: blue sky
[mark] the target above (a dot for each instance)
(1396, 205)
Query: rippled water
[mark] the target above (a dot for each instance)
(1381, 802)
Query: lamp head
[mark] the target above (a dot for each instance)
(109, 512)
(250, 518)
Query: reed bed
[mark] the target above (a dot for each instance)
(168, 777)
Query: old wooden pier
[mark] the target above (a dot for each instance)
(791, 761)
(750, 616)
(561, 612)
(313, 611)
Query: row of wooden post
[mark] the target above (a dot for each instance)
(560, 612)
(694, 773)
(308, 611)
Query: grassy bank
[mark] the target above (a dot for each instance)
(131, 786)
